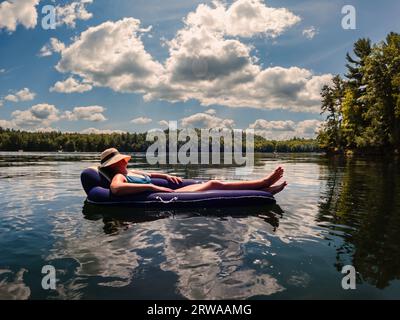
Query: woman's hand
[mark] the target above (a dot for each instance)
(173, 179)
(162, 189)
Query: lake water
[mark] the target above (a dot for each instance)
(334, 212)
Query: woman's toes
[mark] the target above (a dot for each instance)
(277, 188)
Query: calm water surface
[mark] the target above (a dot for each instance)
(333, 213)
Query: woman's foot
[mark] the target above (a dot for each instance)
(274, 177)
(277, 188)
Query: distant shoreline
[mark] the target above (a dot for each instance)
(56, 141)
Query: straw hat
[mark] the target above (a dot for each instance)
(111, 156)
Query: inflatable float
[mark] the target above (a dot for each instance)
(97, 188)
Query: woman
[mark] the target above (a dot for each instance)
(124, 182)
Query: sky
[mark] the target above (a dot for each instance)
(134, 65)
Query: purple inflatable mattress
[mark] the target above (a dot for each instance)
(97, 188)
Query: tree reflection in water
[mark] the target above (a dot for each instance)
(361, 207)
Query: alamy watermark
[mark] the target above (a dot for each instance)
(49, 280)
(349, 280)
(349, 18)
(202, 146)
(49, 18)
(49, 21)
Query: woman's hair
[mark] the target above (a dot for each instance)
(108, 172)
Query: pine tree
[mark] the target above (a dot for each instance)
(364, 110)
(330, 136)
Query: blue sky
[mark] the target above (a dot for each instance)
(255, 71)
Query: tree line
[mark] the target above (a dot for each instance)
(15, 140)
(363, 107)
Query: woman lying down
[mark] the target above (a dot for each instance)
(125, 182)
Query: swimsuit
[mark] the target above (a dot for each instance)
(138, 179)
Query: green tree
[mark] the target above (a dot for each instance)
(332, 96)
(363, 111)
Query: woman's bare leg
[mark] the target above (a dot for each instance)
(277, 188)
(235, 185)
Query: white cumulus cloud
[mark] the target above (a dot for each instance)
(5, 124)
(54, 45)
(39, 115)
(207, 61)
(70, 85)
(243, 18)
(210, 111)
(89, 113)
(46, 129)
(205, 120)
(15, 12)
(69, 13)
(141, 120)
(100, 131)
(310, 32)
(22, 95)
(286, 129)
(205, 65)
(163, 123)
(120, 62)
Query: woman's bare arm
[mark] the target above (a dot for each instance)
(159, 175)
(120, 187)
(150, 174)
